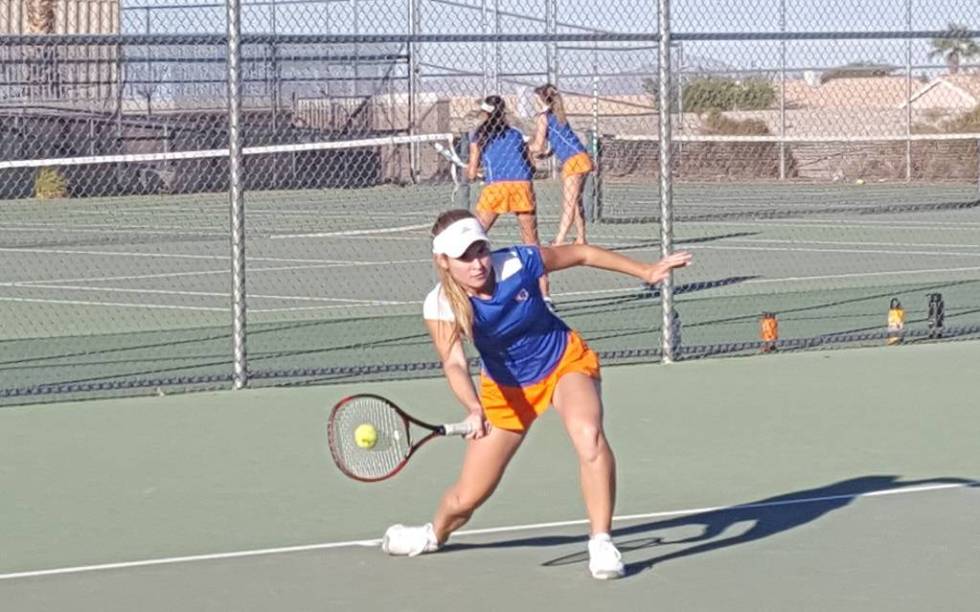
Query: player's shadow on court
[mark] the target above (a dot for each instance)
(755, 520)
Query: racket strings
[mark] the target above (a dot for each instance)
(391, 447)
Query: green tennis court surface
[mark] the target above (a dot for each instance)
(816, 481)
(122, 293)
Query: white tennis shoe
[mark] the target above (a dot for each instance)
(605, 561)
(400, 540)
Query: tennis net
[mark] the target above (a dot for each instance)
(729, 177)
(117, 267)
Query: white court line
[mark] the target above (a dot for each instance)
(27, 284)
(111, 253)
(859, 243)
(317, 266)
(331, 307)
(789, 279)
(224, 258)
(116, 229)
(505, 529)
(217, 294)
(695, 246)
(113, 304)
(378, 303)
(719, 247)
(634, 290)
(956, 227)
(908, 222)
(621, 290)
(365, 232)
(694, 240)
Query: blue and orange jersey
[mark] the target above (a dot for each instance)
(519, 339)
(504, 158)
(563, 140)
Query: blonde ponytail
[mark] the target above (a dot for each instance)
(459, 303)
(553, 100)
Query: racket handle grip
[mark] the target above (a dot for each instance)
(457, 429)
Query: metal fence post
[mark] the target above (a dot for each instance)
(236, 193)
(666, 185)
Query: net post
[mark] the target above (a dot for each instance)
(594, 189)
(908, 93)
(593, 180)
(463, 193)
(236, 195)
(414, 155)
(782, 92)
(666, 184)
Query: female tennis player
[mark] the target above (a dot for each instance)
(530, 359)
(553, 135)
(500, 150)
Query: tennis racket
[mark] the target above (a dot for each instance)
(372, 439)
(456, 164)
(449, 154)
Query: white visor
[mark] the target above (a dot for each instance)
(486, 107)
(455, 239)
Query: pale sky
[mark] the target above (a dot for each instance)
(526, 62)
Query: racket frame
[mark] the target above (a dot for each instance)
(450, 429)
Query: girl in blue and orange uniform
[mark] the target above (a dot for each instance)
(530, 360)
(552, 132)
(507, 173)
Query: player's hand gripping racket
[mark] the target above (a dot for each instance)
(372, 439)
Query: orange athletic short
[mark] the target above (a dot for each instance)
(507, 197)
(515, 408)
(580, 163)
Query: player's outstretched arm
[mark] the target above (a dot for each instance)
(449, 347)
(572, 255)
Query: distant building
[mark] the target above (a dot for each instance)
(59, 75)
(59, 16)
(950, 93)
(847, 93)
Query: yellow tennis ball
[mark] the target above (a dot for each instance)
(365, 436)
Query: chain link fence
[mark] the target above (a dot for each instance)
(823, 167)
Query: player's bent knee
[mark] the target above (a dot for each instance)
(591, 443)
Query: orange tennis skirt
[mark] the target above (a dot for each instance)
(515, 408)
(507, 197)
(580, 163)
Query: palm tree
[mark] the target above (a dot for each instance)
(954, 46)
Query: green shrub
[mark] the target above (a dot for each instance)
(704, 95)
(50, 183)
(717, 123)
